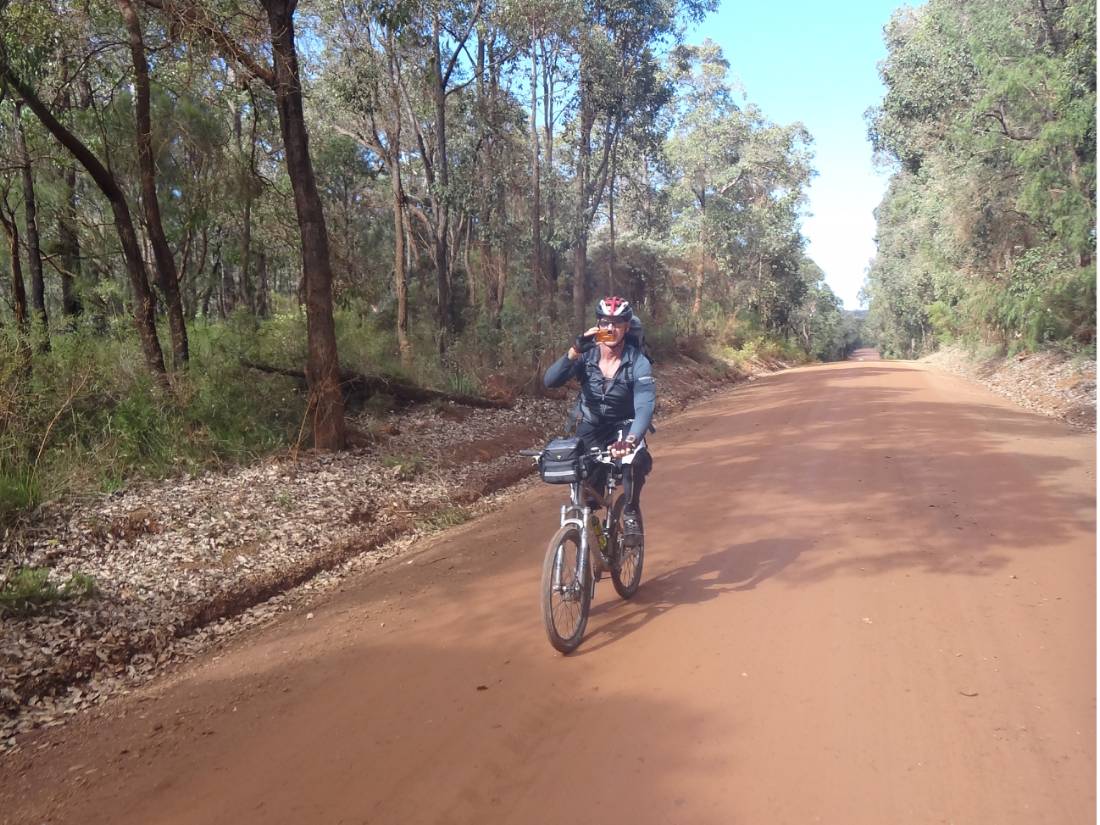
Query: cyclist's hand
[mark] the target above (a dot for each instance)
(585, 341)
(622, 448)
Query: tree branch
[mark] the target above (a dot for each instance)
(193, 17)
(461, 42)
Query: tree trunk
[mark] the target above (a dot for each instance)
(69, 248)
(165, 262)
(611, 227)
(502, 285)
(40, 322)
(390, 152)
(400, 278)
(485, 185)
(323, 365)
(227, 292)
(247, 283)
(361, 387)
(700, 272)
(580, 239)
(497, 216)
(208, 294)
(68, 233)
(551, 201)
(247, 288)
(143, 297)
(18, 287)
(536, 229)
(193, 280)
(441, 197)
(263, 303)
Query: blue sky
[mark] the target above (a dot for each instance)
(816, 62)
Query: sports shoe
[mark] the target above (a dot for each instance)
(632, 529)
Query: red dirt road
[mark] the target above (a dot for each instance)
(869, 597)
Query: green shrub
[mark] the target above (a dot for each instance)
(19, 491)
(88, 415)
(30, 590)
(442, 519)
(1042, 301)
(405, 467)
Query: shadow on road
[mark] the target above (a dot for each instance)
(738, 567)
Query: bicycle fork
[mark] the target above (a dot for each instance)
(577, 516)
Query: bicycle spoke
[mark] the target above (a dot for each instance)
(565, 595)
(565, 606)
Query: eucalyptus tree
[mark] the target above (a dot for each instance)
(989, 116)
(246, 47)
(445, 31)
(70, 267)
(619, 88)
(543, 29)
(775, 169)
(167, 274)
(40, 319)
(362, 81)
(737, 184)
(27, 47)
(819, 321)
(10, 225)
(704, 150)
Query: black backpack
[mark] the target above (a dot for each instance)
(636, 336)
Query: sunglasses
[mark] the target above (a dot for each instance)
(606, 323)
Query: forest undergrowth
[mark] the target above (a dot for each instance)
(88, 419)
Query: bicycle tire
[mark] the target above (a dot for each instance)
(579, 596)
(624, 559)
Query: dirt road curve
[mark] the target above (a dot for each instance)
(869, 598)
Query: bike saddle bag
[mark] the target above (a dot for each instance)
(562, 461)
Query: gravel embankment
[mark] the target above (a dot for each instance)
(1049, 383)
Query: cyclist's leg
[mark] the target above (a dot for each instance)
(595, 435)
(634, 476)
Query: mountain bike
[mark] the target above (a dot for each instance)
(586, 544)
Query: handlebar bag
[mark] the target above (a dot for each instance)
(562, 461)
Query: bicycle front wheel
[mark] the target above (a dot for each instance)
(566, 590)
(626, 562)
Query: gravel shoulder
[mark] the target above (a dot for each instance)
(183, 564)
(1049, 383)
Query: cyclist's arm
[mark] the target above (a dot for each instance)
(562, 370)
(645, 398)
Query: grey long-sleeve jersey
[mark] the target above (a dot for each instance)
(631, 394)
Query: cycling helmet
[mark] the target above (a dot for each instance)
(614, 308)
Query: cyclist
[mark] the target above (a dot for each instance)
(617, 399)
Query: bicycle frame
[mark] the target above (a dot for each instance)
(579, 514)
(592, 544)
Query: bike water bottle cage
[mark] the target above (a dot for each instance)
(562, 461)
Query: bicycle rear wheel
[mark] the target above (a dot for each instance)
(566, 590)
(626, 562)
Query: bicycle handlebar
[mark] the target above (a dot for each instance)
(600, 454)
